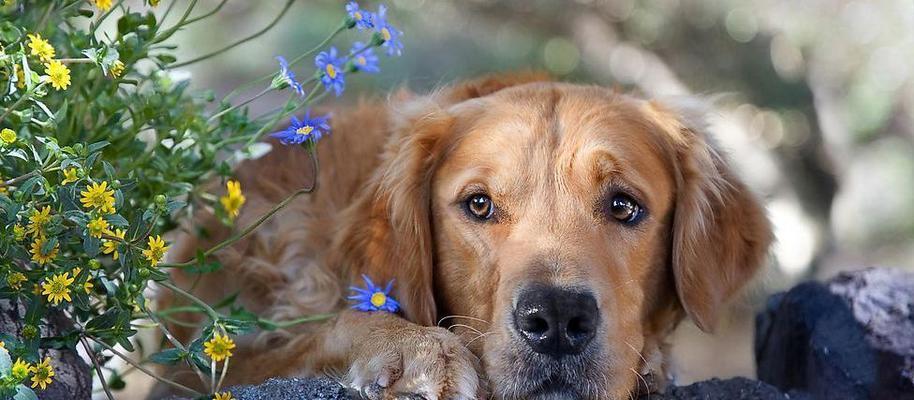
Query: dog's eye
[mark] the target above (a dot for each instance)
(625, 209)
(480, 206)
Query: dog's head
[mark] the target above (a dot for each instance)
(571, 226)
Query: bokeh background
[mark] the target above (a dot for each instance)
(815, 104)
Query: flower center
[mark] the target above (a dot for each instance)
(378, 299)
(331, 71)
(362, 61)
(357, 15)
(305, 130)
(385, 34)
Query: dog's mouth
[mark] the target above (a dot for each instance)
(555, 389)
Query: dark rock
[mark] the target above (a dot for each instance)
(852, 338)
(72, 377)
(717, 389)
(292, 389)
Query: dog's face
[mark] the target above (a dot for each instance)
(572, 227)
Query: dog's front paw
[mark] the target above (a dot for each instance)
(414, 362)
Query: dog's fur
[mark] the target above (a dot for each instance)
(393, 176)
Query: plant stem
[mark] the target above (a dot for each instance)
(240, 42)
(209, 310)
(98, 367)
(242, 104)
(144, 369)
(302, 320)
(225, 366)
(207, 15)
(20, 100)
(175, 342)
(76, 60)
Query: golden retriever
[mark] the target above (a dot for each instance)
(543, 239)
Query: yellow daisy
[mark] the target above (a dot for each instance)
(97, 227)
(15, 279)
(233, 199)
(99, 197)
(8, 135)
(40, 48)
(18, 232)
(20, 370)
(117, 69)
(58, 288)
(223, 396)
(42, 373)
(103, 5)
(110, 246)
(20, 76)
(38, 220)
(69, 176)
(59, 74)
(88, 287)
(219, 347)
(43, 258)
(156, 250)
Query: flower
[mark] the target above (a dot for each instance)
(20, 370)
(59, 74)
(233, 199)
(331, 70)
(15, 279)
(40, 48)
(58, 288)
(373, 298)
(306, 129)
(103, 5)
(69, 176)
(223, 396)
(358, 17)
(87, 286)
(388, 32)
(153, 2)
(40, 257)
(110, 246)
(156, 250)
(98, 196)
(219, 347)
(117, 69)
(364, 59)
(42, 373)
(286, 78)
(38, 220)
(8, 136)
(18, 232)
(97, 227)
(20, 76)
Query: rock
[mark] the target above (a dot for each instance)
(851, 338)
(72, 378)
(292, 389)
(728, 389)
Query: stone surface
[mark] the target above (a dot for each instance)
(72, 379)
(726, 389)
(850, 338)
(292, 389)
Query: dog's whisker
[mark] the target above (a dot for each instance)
(481, 335)
(461, 316)
(465, 326)
(636, 352)
(647, 387)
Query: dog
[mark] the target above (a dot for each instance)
(543, 238)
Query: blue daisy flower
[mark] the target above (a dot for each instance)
(358, 17)
(364, 59)
(388, 32)
(287, 77)
(302, 130)
(330, 67)
(373, 298)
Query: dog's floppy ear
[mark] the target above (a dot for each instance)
(720, 231)
(387, 231)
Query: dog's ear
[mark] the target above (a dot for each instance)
(387, 231)
(720, 231)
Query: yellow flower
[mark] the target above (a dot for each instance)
(98, 196)
(156, 250)
(223, 396)
(69, 176)
(43, 258)
(20, 370)
(8, 135)
(103, 5)
(38, 220)
(110, 246)
(20, 76)
(153, 2)
(97, 227)
(18, 232)
(75, 271)
(117, 69)
(15, 279)
(59, 74)
(42, 373)
(88, 287)
(233, 199)
(41, 48)
(58, 288)
(219, 347)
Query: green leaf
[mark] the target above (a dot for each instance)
(168, 357)
(24, 393)
(5, 362)
(204, 268)
(26, 187)
(117, 220)
(98, 146)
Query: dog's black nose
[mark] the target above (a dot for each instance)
(556, 321)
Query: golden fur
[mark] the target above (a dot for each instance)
(392, 175)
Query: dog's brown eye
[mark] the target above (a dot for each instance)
(625, 209)
(480, 206)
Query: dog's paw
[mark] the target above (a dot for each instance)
(412, 363)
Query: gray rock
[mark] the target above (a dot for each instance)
(726, 389)
(292, 389)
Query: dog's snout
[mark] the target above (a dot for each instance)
(556, 321)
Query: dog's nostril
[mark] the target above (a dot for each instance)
(533, 325)
(556, 321)
(579, 326)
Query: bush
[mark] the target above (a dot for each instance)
(104, 150)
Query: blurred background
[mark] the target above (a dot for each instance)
(817, 105)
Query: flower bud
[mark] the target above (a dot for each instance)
(30, 331)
